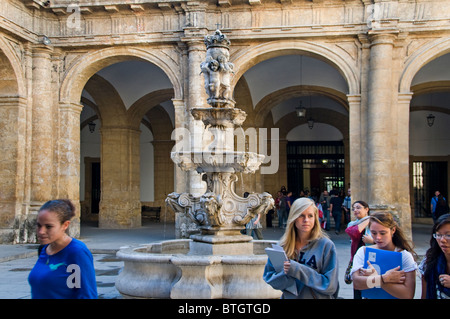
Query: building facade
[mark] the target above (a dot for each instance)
(94, 95)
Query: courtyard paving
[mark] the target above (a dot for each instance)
(16, 261)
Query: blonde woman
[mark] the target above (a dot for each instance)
(312, 266)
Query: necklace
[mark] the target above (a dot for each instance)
(51, 251)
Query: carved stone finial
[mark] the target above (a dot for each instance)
(217, 40)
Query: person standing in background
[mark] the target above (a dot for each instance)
(441, 207)
(336, 210)
(325, 202)
(434, 202)
(359, 233)
(347, 205)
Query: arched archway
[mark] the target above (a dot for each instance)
(120, 203)
(13, 144)
(87, 65)
(420, 58)
(245, 59)
(282, 95)
(429, 83)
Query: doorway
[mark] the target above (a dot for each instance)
(90, 206)
(96, 191)
(315, 166)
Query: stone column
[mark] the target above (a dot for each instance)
(386, 162)
(283, 169)
(180, 122)
(401, 176)
(356, 142)
(380, 143)
(69, 159)
(42, 128)
(196, 98)
(13, 128)
(164, 173)
(120, 205)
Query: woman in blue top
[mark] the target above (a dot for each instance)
(65, 267)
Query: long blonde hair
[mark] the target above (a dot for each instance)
(288, 239)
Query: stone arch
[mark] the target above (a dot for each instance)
(268, 102)
(89, 64)
(420, 58)
(137, 111)
(255, 54)
(431, 87)
(12, 81)
(14, 145)
(109, 104)
(333, 118)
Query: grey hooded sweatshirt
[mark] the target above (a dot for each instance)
(314, 275)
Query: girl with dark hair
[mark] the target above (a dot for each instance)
(65, 267)
(387, 235)
(435, 267)
(358, 229)
(359, 233)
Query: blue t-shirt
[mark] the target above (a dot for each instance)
(68, 274)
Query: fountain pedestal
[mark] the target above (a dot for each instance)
(219, 262)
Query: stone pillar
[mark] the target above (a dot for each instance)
(181, 121)
(42, 129)
(283, 169)
(69, 159)
(13, 130)
(387, 163)
(120, 205)
(380, 143)
(401, 176)
(163, 174)
(356, 142)
(196, 98)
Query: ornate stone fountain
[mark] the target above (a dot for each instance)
(218, 262)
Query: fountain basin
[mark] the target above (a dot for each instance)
(217, 162)
(221, 117)
(171, 269)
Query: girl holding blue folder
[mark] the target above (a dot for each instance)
(398, 282)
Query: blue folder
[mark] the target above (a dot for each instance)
(382, 260)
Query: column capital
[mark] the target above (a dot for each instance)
(405, 97)
(178, 103)
(376, 38)
(195, 44)
(71, 107)
(354, 98)
(42, 51)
